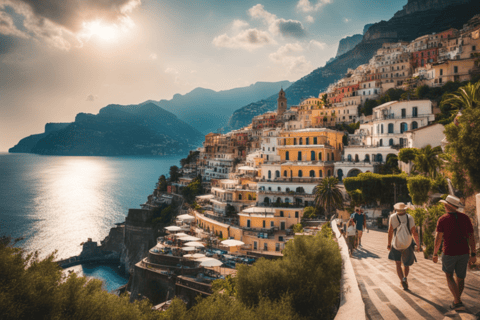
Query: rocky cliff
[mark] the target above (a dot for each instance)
(404, 26)
(348, 43)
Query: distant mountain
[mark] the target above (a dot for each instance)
(417, 18)
(26, 144)
(207, 110)
(119, 130)
(348, 43)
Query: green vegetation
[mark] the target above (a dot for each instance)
(328, 195)
(162, 183)
(419, 215)
(309, 213)
(433, 214)
(350, 128)
(193, 189)
(390, 166)
(463, 136)
(418, 187)
(174, 174)
(390, 95)
(377, 188)
(427, 161)
(297, 228)
(191, 158)
(34, 288)
(407, 154)
(163, 214)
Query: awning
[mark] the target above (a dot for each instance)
(232, 243)
(194, 244)
(185, 217)
(246, 168)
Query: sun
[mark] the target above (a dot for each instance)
(101, 30)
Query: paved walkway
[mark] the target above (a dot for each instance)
(428, 296)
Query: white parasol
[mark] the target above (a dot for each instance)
(210, 262)
(195, 244)
(232, 243)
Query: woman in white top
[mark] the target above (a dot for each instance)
(351, 233)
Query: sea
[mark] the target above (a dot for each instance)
(57, 202)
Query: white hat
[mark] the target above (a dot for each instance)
(400, 206)
(453, 201)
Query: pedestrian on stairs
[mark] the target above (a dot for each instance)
(456, 230)
(401, 230)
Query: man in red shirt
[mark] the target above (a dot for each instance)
(456, 230)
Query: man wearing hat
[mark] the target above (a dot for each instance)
(401, 229)
(456, 230)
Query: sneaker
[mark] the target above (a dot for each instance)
(455, 306)
(404, 284)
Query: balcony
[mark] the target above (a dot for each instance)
(393, 117)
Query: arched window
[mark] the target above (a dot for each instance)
(333, 156)
(349, 158)
(294, 141)
(320, 173)
(277, 174)
(381, 128)
(315, 140)
(328, 156)
(381, 142)
(312, 174)
(249, 197)
(403, 127)
(300, 173)
(279, 189)
(367, 158)
(379, 157)
(239, 196)
(284, 173)
(300, 141)
(269, 174)
(266, 200)
(414, 125)
(356, 158)
(287, 155)
(307, 141)
(299, 156)
(287, 200)
(390, 128)
(390, 142)
(312, 155)
(319, 156)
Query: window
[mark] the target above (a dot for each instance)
(255, 245)
(299, 156)
(307, 140)
(300, 141)
(404, 113)
(315, 140)
(329, 173)
(381, 128)
(349, 158)
(240, 196)
(414, 125)
(381, 142)
(265, 246)
(279, 189)
(277, 174)
(271, 224)
(284, 173)
(312, 174)
(441, 72)
(300, 173)
(294, 141)
(328, 156)
(287, 155)
(312, 155)
(281, 213)
(320, 156)
(474, 48)
(403, 127)
(455, 69)
(248, 223)
(415, 112)
(390, 142)
(269, 174)
(296, 214)
(333, 156)
(263, 223)
(390, 128)
(320, 173)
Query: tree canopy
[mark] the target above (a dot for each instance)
(328, 195)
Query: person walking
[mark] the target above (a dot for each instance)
(361, 224)
(456, 230)
(351, 235)
(401, 230)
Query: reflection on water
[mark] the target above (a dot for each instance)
(58, 202)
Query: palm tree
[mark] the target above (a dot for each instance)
(328, 195)
(467, 96)
(428, 160)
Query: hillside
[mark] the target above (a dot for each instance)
(121, 130)
(207, 110)
(417, 18)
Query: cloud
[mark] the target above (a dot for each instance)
(317, 44)
(306, 6)
(7, 27)
(91, 97)
(293, 64)
(286, 28)
(239, 24)
(153, 56)
(249, 39)
(309, 19)
(346, 20)
(61, 23)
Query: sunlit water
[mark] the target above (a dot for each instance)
(55, 203)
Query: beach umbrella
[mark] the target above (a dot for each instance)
(210, 262)
(185, 217)
(180, 234)
(195, 244)
(173, 228)
(189, 238)
(188, 255)
(232, 243)
(188, 249)
(198, 255)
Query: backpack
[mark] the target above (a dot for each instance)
(403, 234)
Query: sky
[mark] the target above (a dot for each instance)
(62, 57)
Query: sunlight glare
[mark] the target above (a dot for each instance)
(101, 30)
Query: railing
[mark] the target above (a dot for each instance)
(392, 117)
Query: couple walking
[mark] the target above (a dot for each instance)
(355, 227)
(456, 231)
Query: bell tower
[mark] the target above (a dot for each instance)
(281, 103)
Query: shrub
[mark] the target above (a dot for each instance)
(433, 214)
(419, 187)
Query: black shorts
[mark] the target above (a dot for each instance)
(457, 264)
(407, 256)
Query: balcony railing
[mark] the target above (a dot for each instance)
(393, 117)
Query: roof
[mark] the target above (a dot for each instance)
(201, 216)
